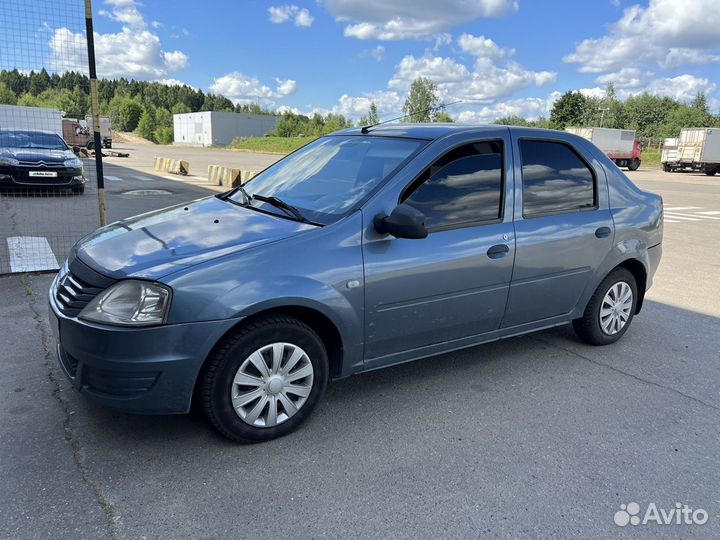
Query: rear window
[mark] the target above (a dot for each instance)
(555, 179)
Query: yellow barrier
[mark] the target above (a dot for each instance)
(222, 176)
(175, 166)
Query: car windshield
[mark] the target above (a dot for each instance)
(31, 139)
(328, 177)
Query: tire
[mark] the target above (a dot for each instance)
(711, 172)
(78, 190)
(667, 167)
(589, 328)
(232, 359)
(634, 165)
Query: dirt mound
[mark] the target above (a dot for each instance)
(128, 137)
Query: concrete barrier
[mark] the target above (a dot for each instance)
(223, 176)
(174, 166)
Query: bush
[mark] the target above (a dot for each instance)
(164, 135)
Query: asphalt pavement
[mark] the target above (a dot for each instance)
(535, 436)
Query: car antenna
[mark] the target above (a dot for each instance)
(366, 129)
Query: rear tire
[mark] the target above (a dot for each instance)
(259, 354)
(634, 165)
(711, 172)
(606, 319)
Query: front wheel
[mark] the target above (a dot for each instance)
(634, 164)
(711, 172)
(610, 310)
(265, 379)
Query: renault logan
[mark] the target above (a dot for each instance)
(361, 250)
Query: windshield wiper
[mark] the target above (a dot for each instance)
(279, 203)
(247, 196)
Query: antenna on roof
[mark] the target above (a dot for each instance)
(366, 129)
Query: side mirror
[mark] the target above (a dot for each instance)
(403, 222)
(76, 150)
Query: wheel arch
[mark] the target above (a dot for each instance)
(319, 322)
(639, 272)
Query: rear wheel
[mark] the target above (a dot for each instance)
(610, 310)
(634, 164)
(265, 379)
(711, 172)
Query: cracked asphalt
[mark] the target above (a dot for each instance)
(535, 436)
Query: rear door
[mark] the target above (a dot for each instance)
(563, 227)
(454, 283)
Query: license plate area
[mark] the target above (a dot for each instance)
(43, 174)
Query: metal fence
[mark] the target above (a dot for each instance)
(49, 195)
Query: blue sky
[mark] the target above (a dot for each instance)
(499, 56)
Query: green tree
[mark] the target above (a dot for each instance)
(28, 100)
(146, 125)
(373, 117)
(164, 135)
(163, 118)
(180, 108)
(422, 102)
(442, 116)
(7, 96)
(648, 114)
(513, 120)
(125, 113)
(569, 110)
(684, 116)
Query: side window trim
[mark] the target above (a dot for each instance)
(596, 197)
(406, 192)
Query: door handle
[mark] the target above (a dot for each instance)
(498, 251)
(603, 232)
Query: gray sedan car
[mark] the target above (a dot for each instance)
(361, 250)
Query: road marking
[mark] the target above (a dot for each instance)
(671, 221)
(712, 213)
(30, 254)
(673, 208)
(113, 178)
(681, 218)
(143, 178)
(676, 214)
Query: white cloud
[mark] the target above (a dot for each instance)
(388, 103)
(683, 87)
(283, 14)
(286, 87)
(627, 77)
(528, 108)
(174, 82)
(665, 34)
(134, 51)
(378, 53)
(242, 89)
(411, 19)
(488, 80)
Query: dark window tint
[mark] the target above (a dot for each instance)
(463, 186)
(555, 179)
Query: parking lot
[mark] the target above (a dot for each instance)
(534, 436)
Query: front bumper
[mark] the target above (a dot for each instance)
(19, 177)
(148, 370)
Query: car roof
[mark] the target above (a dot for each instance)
(33, 131)
(427, 131)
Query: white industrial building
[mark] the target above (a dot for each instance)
(214, 128)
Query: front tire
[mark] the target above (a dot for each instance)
(634, 164)
(610, 310)
(78, 190)
(265, 379)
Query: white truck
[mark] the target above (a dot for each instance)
(698, 150)
(105, 129)
(620, 145)
(669, 154)
(18, 117)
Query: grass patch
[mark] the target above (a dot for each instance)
(270, 145)
(651, 157)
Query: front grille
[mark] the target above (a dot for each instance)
(43, 164)
(73, 294)
(22, 176)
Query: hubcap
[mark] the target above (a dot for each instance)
(615, 308)
(272, 384)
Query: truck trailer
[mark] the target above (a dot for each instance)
(698, 150)
(669, 154)
(105, 130)
(620, 145)
(32, 118)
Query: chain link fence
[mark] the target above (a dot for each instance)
(48, 178)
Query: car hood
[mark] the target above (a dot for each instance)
(36, 154)
(158, 243)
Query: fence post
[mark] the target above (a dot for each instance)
(95, 108)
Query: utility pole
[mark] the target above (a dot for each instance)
(602, 114)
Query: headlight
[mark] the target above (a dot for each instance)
(129, 303)
(75, 163)
(8, 161)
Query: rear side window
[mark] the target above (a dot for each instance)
(555, 179)
(462, 187)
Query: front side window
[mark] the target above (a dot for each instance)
(328, 177)
(463, 187)
(555, 179)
